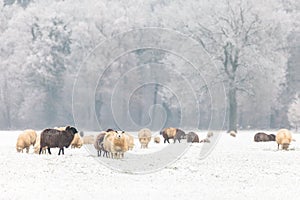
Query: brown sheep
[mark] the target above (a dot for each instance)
(55, 138)
(192, 137)
(283, 138)
(77, 142)
(144, 136)
(25, 140)
(175, 133)
(116, 144)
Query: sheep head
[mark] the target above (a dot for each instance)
(71, 129)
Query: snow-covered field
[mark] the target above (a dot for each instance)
(237, 168)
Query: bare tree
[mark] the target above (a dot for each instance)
(242, 39)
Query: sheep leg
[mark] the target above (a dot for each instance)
(278, 147)
(27, 149)
(59, 151)
(49, 150)
(174, 140)
(41, 148)
(63, 151)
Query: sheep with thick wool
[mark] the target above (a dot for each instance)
(283, 138)
(25, 140)
(192, 137)
(52, 138)
(37, 145)
(77, 142)
(115, 143)
(175, 133)
(99, 144)
(144, 136)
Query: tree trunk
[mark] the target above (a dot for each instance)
(232, 121)
(7, 115)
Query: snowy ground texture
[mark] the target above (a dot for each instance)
(237, 168)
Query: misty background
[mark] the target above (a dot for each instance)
(246, 76)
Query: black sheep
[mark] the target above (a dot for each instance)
(263, 137)
(52, 138)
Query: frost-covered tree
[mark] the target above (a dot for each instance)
(294, 112)
(244, 37)
(46, 64)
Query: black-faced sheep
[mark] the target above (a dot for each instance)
(144, 136)
(99, 145)
(175, 133)
(55, 138)
(25, 140)
(115, 143)
(192, 137)
(283, 138)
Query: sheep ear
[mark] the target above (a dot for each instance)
(123, 131)
(68, 127)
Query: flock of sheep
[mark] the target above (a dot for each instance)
(283, 138)
(110, 143)
(113, 144)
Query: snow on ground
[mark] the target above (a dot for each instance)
(237, 168)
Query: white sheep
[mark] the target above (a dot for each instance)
(283, 138)
(25, 140)
(144, 136)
